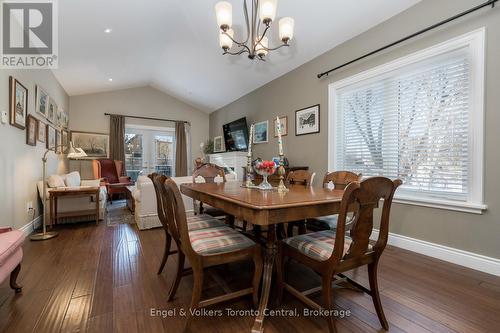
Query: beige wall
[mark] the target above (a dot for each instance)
(20, 164)
(87, 112)
(300, 88)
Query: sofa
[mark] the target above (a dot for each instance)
(146, 215)
(11, 255)
(69, 204)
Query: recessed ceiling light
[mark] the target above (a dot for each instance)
(108, 30)
(110, 80)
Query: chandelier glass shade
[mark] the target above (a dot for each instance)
(258, 22)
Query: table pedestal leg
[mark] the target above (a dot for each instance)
(270, 256)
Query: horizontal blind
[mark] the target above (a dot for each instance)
(410, 124)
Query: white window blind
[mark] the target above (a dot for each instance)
(412, 123)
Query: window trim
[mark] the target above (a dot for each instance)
(475, 41)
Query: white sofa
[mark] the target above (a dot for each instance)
(146, 215)
(69, 204)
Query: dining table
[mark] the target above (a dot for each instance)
(266, 209)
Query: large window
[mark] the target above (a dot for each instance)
(419, 119)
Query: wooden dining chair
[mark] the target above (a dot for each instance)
(206, 248)
(339, 180)
(208, 172)
(330, 253)
(297, 177)
(202, 221)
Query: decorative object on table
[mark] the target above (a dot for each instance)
(18, 97)
(276, 161)
(249, 182)
(41, 101)
(41, 131)
(281, 169)
(261, 131)
(262, 13)
(44, 235)
(51, 137)
(52, 112)
(208, 147)
(265, 169)
(31, 130)
(65, 139)
(283, 122)
(307, 120)
(95, 145)
(219, 144)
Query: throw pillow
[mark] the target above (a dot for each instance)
(55, 181)
(73, 179)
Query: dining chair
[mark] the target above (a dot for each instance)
(331, 253)
(206, 248)
(197, 222)
(209, 173)
(339, 180)
(297, 177)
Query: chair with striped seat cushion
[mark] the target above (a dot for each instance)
(318, 245)
(218, 240)
(203, 221)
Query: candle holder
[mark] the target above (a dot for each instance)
(281, 172)
(249, 182)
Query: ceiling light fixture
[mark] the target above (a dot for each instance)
(110, 80)
(108, 30)
(256, 43)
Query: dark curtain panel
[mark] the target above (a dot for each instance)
(117, 139)
(180, 149)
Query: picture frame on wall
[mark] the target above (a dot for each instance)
(261, 132)
(50, 142)
(41, 101)
(18, 100)
(52, 112)
(95, 145)
(42, 131)
(307, 120)
(284, 126)
(219, 145)
(65, 139)
(31, 130)
(58, 142)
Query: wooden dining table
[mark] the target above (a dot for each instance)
(269, 209)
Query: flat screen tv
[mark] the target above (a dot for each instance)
(236, 135)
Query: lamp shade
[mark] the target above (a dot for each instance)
(267, 10)
(75, 153)
(286, 26)
(224, 13)
(224, 41)
(261, 48)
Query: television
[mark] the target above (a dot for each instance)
(236, 135)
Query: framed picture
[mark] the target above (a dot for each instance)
(50, 142)
(284, 126)
(31, 130)
(261, 131)
(41, 101)
(307, 120)
(219, 144)
(42, 131)
(52, 112)
(65, 139)
(64, 119)
(18, 97)
(58, 142)
(95, 145)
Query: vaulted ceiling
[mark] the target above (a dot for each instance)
(173, 44)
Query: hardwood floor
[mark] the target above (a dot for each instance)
(103, 279)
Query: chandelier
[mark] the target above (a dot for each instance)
(256, 43)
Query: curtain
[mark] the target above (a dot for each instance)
(180, 149)
(117, 139)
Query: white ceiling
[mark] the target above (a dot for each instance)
(173, 44)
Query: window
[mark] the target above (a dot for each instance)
(420, 119)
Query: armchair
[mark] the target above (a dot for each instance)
(109, 172)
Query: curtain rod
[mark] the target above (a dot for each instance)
(148, 118)
(487, 3)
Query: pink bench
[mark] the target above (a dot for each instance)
(11, 254)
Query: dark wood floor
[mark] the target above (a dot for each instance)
(103, 279)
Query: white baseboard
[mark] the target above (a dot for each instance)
(449, 254)
(27, 229)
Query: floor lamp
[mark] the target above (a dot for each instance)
(72, 153)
